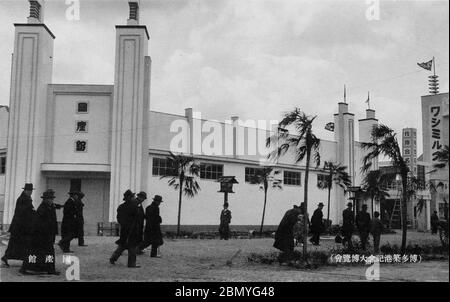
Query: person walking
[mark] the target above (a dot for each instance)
(376, 230)
(363, 224)
(140, 198)
(152, 233)
(127, 216)
(317, 225)
(72, 222)
(21, 226)
(225, 220)
(348, 225)
(41, 254)
(434, 220)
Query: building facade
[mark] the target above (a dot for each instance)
(104, 139)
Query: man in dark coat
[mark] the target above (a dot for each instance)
(127, 216)
(41, 254)
(284, 236)
(72, 222)
(434, 222)
(363, 224)
(152, 233)
(376, 229)
(140, 198)
(348, 225)
(317, 224)
(225, 220)
(20, 228)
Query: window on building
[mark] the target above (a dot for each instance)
(75, 185)
(250, 173)
(162, 167)
(406, 133)
(407, 160)
(407, 142)
(407, 151)
(210, 171)
(2, 164)
(82, 107)
(291, 178)
(415, 142)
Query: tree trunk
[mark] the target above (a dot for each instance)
(264, 211)
(372, 206)
(179, 207)
(404, 211)
(305, 231)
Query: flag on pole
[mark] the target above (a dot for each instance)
(426, 65)
(329, 126)
(368, 99)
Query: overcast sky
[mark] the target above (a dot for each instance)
(256, 59)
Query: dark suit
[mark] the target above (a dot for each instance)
(363, 224)
(284, 236)
(20, 228)
(72, 223)
(41, 255)
(347, 227)
(224, 227)
(127, 216)
(316, 226)
(152, 233)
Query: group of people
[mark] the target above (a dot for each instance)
(134, 236)
(293, 228)
(33, 232)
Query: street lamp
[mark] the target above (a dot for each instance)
(352, 192)
(226, 186)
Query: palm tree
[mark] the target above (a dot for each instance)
(372, 187)
(304, 145)
(182, 177)
(336, 174)
(441, 157)
(384, 142)
(264, 177)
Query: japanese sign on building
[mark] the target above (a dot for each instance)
(436, 131)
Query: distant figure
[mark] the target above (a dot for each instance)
(363, 224)
(284, 236)
(20, 228)
(127, 216)
(434, 222)
(41, 255)
(152, 233)
(348, 225)
(317, 225)
(376, 230)
(225, 220)
(140, 198)
(72, 222)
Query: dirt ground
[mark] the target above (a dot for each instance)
(208, 260)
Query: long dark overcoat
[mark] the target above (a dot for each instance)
(317, 222)
(140, 223)
(153, 222)
(72, 222)
(348, 221)
(127, 216)
(41, 255)
(20, 228)
(284, 236)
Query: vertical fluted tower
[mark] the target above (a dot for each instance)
(129, 150)
(32, 66)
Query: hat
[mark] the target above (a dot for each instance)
(128, 193)
(28, 187)
(158, 198)
(349, 204)
(49, 194)
(320, 204)
(364, 206)
(142, 194)
(80, 195)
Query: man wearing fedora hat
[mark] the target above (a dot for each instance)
(363, 222)
(152, 233)
(348, 225)
(317, 224)
(127, 216)
(41, 255)
(72, 222)
(20, 228)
